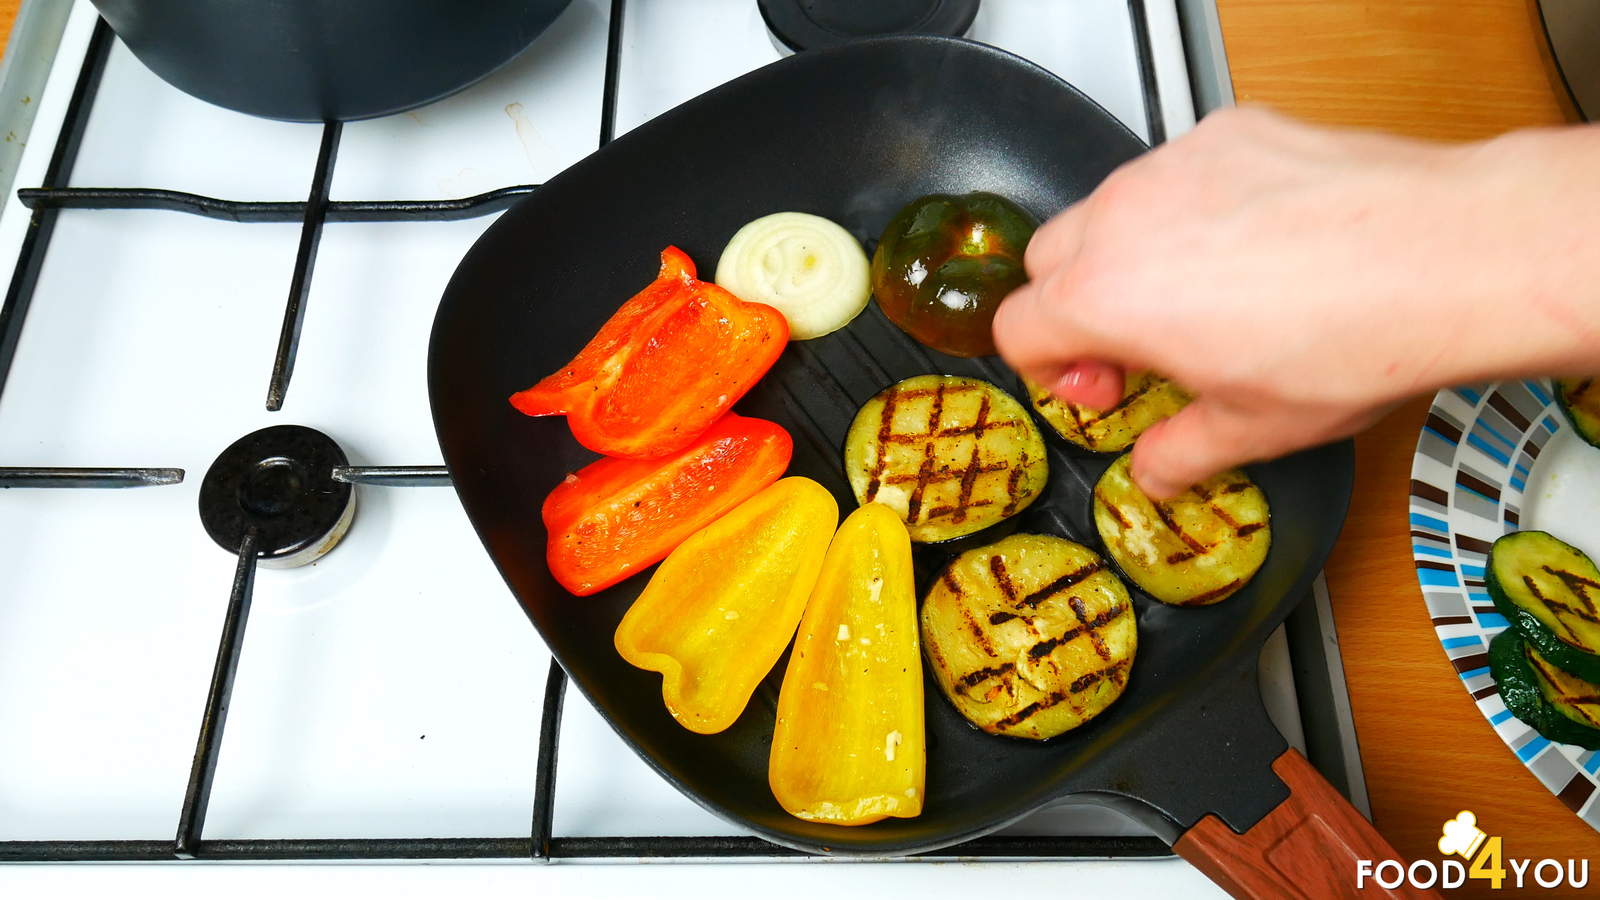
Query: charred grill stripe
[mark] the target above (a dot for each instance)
(1556, 607)
(1236, 487)
(1013, 482)
(885, 429)
(969, 478)
(1222, 514)
(950, 582)
(1213, 594)
(1046, 647)
(953, 431)
(1250, 528)
(1085, 682)
(1126, 401)
(1172, 525)
(939, 512)
(1082, 684)
(924, 476)
(1022, 714)
(1577, 701)
(936, 410)
(1082, 612)
(1055, 587)
(1579, 586)
(1000, 618)
(944, 474)
(1180, 556)
(978, 634)
(1002, 578)
(1112, 508)
(975, 678)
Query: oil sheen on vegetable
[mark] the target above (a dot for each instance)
(944, 264)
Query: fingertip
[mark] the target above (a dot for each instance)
(1091, 384)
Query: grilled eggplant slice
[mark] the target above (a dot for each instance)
(1031, 636)
(1194, 550)
(1147, 398)
(1580, 400)
(1559, 706)
(1549, 591)
(951, 455)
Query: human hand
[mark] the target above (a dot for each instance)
(1299, 281)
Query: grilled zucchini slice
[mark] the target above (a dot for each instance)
(1031, 636)
(1580, 400)
(1193, 550)
(951, 455)
(1559, 706)
(1549, 591)
(1147, 398)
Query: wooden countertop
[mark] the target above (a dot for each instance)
(1446, 70)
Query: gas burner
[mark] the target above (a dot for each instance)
(278, 481)
(805, 24)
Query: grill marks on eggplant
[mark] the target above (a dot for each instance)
(1147, 398)
(951, 455)
(1198, 548)
(1548, 590)
(1060, 635)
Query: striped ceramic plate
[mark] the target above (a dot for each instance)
(1493, 459)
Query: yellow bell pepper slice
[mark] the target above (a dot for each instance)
(849, 747)
(717, 614)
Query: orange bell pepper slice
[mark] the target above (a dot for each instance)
(614, 517)
(720, 611)
(669, 363)
(849, 747)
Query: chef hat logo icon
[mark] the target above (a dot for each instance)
(1461, 835)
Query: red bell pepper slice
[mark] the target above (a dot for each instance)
(615, 517)
(670, 362)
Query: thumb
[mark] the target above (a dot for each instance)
(1200, 441)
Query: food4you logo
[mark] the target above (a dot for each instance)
(1484, 858)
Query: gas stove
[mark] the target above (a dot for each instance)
(206, 305)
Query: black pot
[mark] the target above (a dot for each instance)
(318, 60)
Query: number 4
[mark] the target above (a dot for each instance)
(1487, 865)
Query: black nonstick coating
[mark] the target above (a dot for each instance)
(852, 133)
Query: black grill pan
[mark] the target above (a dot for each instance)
(852, 133)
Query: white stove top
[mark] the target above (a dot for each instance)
(394, 688)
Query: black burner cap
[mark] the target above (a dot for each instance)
(805, 24)
(279, 481)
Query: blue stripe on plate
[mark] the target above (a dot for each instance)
(1470, 641)
(1593, 764)
(1431, 551)
(1422, 521)
(1497, 435)
(1538, 392)
(1500, 717)
(1491, 452)
(1469, 395)
(1522, 468)
(1474, 673)
(1518, 483)
(1550, 423)
(1471, 571)
(1532, 748)
(1490, 621)
(1437, 578)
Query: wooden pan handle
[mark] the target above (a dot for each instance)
(1306, 849)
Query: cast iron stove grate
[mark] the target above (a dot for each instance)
(541, 843)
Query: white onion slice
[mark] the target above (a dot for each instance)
(812, 270)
